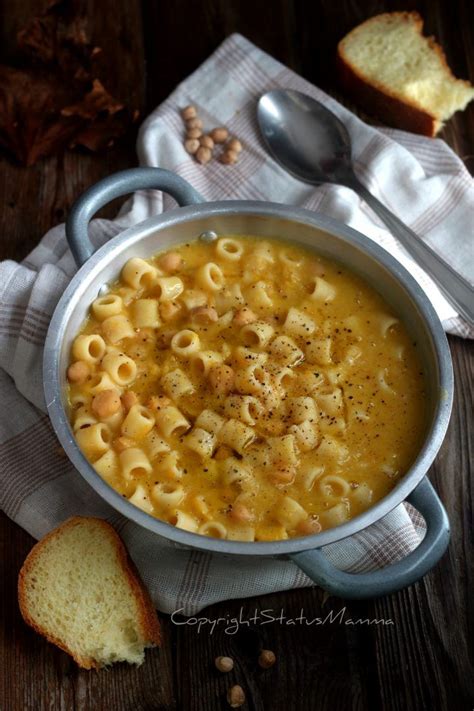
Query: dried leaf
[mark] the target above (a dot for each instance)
(103, 132)
(93, 103)
(58, 37)
(54, 100)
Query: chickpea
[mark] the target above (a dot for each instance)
(78, 372)
(229, 157)
(241, 513)
(244, 316)
(191, 146)
(171, 262)
(106, 403)
(236, 697)
(266, 658)
(129, 399)
(189, 112)
(203, 155)
(221, 379)
(204, 314)
(193, 123)
(234, 145)
(309, 526)
(169, 309)
(224, 664)
(194, 133)
(120, 444)
(207, 142)
(219, 134)
(157, 402)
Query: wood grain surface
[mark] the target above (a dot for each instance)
(422, 656)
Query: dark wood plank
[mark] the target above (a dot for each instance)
(199, 27)
(423, 660)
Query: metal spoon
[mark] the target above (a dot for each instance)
(312, 144)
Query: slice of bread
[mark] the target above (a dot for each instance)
(79, 589)
(391, 70)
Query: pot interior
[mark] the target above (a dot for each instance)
(315, 232)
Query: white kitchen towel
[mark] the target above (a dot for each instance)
(420, 179)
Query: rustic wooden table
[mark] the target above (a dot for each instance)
(423, 660)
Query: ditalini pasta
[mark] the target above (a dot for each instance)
(246, 389)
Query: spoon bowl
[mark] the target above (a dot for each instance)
(314, 153)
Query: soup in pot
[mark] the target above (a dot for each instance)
(246, 389)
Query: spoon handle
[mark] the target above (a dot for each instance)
(455, 288)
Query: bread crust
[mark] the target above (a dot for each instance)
(377, 98)
(379, 103)
(149, 623)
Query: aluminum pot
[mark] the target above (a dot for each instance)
(315, 231)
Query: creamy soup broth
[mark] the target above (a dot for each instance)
(246, 389)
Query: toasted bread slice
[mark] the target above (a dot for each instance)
(391, 70)
(79, 589)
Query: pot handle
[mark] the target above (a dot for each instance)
(394, 577)
(114, 186)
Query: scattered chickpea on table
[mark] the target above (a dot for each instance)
(202, 146)
(224, 664)
(228, 158)
(194, 134)
(192, 145)
(266, 658)
(203, 155)
(189, 113)
(219, 134)
(207, 142)
(194, 123)
(235, 694)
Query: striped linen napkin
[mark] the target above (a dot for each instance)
(420, 179)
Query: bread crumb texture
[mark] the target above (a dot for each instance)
(80, 590)
(390, 53)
